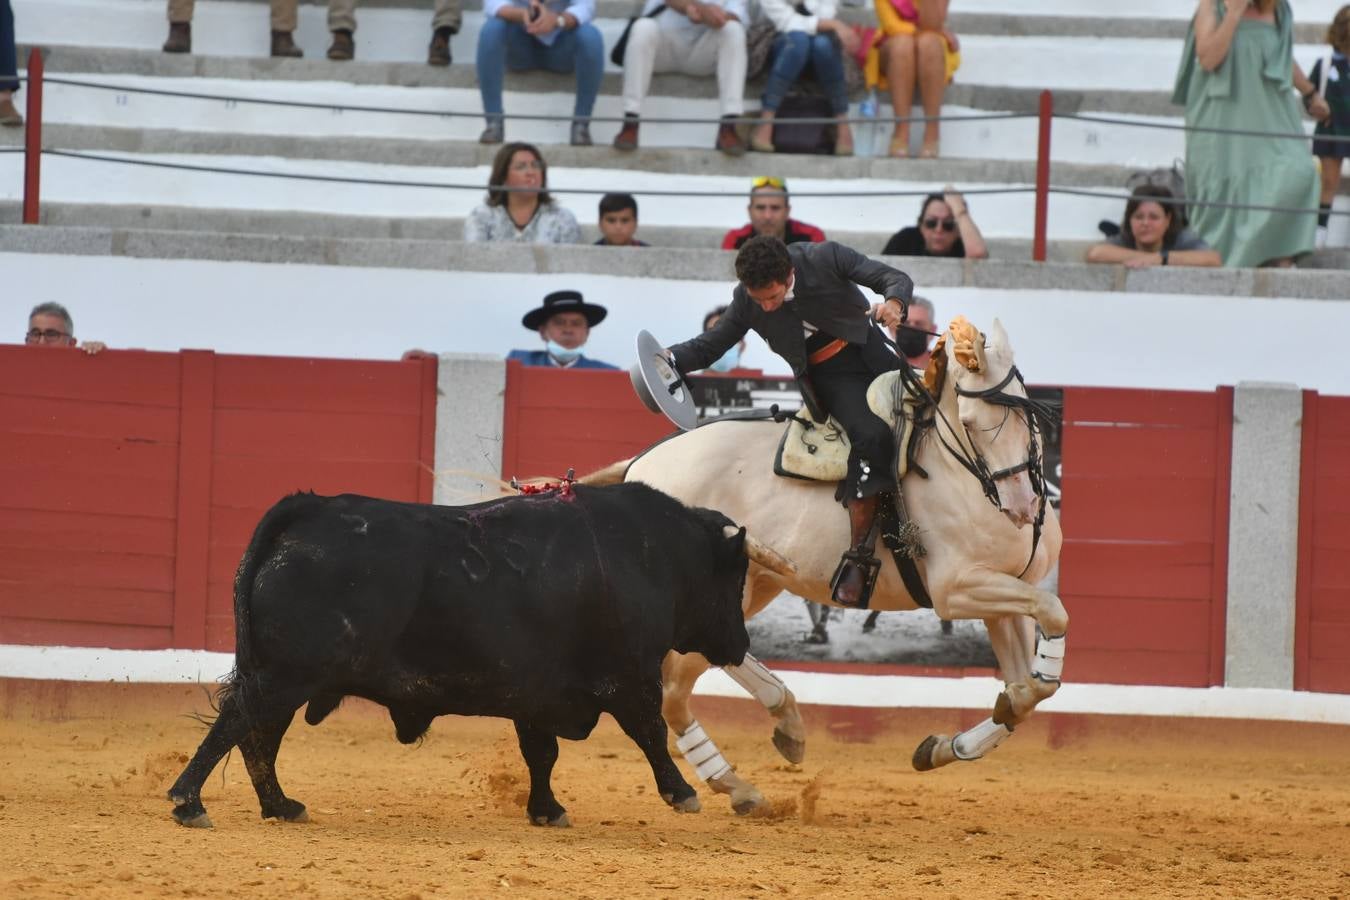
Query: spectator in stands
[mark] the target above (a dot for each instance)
(1151, 235)
(808, 35)
(694, 38)
(618, 221)
(564, 322)
(732, 358)
(769, 210)
(1333, 71)
(445, 21)
(1235, 73)
(556, 35)
(915, 337)
(9, 68)
(283, 24)
(945, 228)
(50, 325)
(913, 46)
(518, 206)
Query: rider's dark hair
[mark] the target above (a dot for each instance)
(763, 260)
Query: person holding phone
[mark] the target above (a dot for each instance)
(555, 35)
(945, 228)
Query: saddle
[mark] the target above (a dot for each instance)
(815, 451)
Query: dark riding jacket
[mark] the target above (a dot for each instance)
(824, 293)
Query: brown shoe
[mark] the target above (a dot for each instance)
(438, 54)
(180, 38)
(728, 141)
(343, 47)
(284, 45)
(627, 138)
(9, 116)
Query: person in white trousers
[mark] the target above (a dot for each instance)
(692, 38)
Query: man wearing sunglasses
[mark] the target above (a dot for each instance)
(50, 325)
(769, 210)
(803, 300)
(945, 228)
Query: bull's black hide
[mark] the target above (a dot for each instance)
(545, 609)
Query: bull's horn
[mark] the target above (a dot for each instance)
(763, 554)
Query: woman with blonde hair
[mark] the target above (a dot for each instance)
(1236, 71)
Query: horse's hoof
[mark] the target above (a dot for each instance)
(1003, 710)
(746, 805)
(300, 818)
(201, 820)
(560, 822)
(789, 747)
(933, 753)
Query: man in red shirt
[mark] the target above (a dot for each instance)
(769, 210)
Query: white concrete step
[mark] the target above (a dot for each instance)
(455, 114)
(851, 204)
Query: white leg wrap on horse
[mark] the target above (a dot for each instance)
(976, 742)
(702, 753)
(759, 682)
(1049, 663)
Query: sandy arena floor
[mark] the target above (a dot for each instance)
(1070, 807)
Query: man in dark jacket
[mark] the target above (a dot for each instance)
(803, 300)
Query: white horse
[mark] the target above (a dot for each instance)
(977, 511)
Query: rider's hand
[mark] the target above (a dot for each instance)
(891, 313)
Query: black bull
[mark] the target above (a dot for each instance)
(547, 610)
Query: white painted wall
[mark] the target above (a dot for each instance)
(1062, 337)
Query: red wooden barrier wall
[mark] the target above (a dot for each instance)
(131, 481)
(578, 418)
(1322, 629)
(1145, 515)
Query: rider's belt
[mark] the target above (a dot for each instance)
(829, 351)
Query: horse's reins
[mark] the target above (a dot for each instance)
(1034, 412)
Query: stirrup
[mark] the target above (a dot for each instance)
(864, 559)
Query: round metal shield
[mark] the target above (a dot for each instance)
(659, 387)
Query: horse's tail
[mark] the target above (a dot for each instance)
(610, 474)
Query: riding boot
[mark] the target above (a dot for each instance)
(858, 568)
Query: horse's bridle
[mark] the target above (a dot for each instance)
(1037, 416)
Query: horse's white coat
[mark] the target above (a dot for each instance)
(981, 563)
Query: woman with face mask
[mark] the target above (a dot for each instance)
(1151, 234)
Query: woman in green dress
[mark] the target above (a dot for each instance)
(1236, 72)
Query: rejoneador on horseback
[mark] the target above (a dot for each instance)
(968, 442)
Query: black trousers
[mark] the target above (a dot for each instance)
(841, 384)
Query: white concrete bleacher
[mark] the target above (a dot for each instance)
(119, 46)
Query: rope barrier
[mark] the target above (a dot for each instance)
(1195, 129)
(520, 117)
(1195, 204)
(380, 182)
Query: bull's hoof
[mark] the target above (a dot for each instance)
(933, 753)
(188, 817)
(790, 748)
(688, 804)
(558, 821)
(289, 811)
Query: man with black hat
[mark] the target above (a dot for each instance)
(564, 323)
(803, 300)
